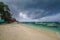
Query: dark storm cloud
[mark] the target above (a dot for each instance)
(35, 10)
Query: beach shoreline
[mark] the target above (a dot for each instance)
(15, 31)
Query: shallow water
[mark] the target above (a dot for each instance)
(57, 28)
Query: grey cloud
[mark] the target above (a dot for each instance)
(53, 18)
(37, 9)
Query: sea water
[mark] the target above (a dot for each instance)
(2, 21)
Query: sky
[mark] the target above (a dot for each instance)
(34, 10)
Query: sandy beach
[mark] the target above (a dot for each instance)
(15, 31)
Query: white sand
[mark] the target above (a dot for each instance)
(16, 31)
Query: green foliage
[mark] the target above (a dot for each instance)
(1, 4)
(1, 7)
(4, 11)
(7, 8)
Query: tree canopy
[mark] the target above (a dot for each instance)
(4, 11)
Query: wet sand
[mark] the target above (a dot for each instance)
(20, 31)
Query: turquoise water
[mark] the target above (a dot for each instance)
(44, 25)
(2, 21)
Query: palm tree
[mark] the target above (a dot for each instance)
(4, 11)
